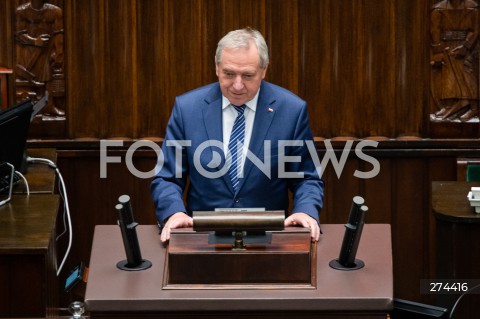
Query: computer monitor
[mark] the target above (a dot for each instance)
(14, 126)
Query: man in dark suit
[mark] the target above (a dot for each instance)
(269, 126)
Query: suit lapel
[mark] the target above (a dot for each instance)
(212, 116)
(212, 120)
(264, 115)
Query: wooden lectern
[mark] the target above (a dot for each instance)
(363, 293)
(193, 262)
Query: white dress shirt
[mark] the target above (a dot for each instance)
(229, 114)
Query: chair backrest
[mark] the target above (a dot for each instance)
(468, 169)
(473, 173)
(405, 309)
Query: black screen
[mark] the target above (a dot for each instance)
(14, 125)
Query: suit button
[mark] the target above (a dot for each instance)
(237, 200)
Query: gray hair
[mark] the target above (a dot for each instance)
(242, 38)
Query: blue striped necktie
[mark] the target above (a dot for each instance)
(237, 136)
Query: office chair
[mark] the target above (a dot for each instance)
(468, 169)
(404, 309)
(473, 173)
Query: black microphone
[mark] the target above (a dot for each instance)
(351, 239)
(127, 225)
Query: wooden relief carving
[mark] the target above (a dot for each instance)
(454, 60)
(39, 56)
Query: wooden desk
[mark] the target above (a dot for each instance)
(40, 177)
(28, 284)
(450, 202)
(364, 293)
(457, 241)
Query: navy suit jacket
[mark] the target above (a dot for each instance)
(197, 118)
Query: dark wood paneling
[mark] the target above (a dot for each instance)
(439, 169)
(184, 47)
(25, 271)
(380, 207)
(411, 66)
(362, 66)
(119, 59)
(339, 191)
(152, 82)
(85, 74)
(408, 225)
(374, 80)
(283, 74)
(342, 55)
(27, 256)
(5, 282)
(6, 36)
(317, 83)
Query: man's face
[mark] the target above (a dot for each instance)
(239, 74)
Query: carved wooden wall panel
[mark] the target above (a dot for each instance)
(454, 69)
(39, 55)
(454, 60)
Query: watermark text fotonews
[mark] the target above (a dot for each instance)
(219, 160)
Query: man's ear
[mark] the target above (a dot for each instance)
(264, 71)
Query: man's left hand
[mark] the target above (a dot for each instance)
(304, 220)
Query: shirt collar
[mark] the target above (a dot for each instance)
(252, 104)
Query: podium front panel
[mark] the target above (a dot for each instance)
(193, 262)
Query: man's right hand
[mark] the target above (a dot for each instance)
(177, 220)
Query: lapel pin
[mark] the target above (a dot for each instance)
(270, 109)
